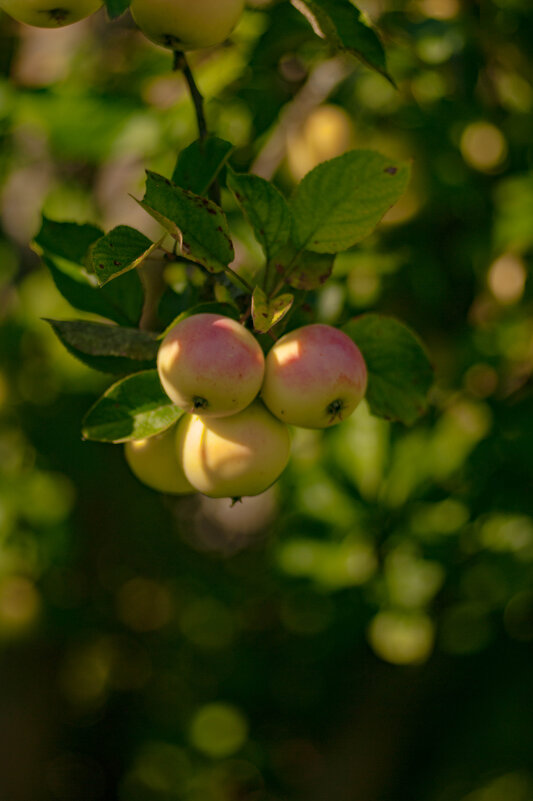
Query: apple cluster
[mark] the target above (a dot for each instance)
(177, 24)
(234, 438)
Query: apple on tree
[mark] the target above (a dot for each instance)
(315, 377)
(154, 462)
(232, 457)
(187, 24)
(50, 13)
(210, 365)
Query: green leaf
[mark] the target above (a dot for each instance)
(341, 201)
(66, 239)
(199, 165)
(121, 250)
(264, 207)
(304, 270)
(267, 313)
(120, 301)
(399, 372)
(116, 7)
(213, 307)
(347, 29)
(134, 408)
(198, 224)
(108, 348)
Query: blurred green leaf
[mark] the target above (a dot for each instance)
(199, 225)
(134, 408)
(199, 165)
(122, 249)
(108, 348)
(341, 201)
(399, 372)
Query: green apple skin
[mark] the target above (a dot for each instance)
(315, 377)
(154, 462)
(187, 24)
(233, 457)
(211, 365)
(50, 13)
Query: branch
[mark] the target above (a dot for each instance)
(181, 64)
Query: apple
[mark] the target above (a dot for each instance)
(231, 457)
(211, 365)
(187, 24)
(154, 462)
(315, 377)
(50, 13)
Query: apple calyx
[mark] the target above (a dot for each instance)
(171, 41)
(335, 410)
(199, 404)
(59, 15)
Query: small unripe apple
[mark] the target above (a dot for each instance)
(187, 24)
(211, 365)
(155, 463)
(49, 13)
(232, 457)
(315, 377)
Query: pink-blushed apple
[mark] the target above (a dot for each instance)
(211, 365)
(154, 462)
(50, 13)
(187, 24)
(232, 457)
(315, 377)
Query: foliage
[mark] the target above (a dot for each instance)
(367, 626)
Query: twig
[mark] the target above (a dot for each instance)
(181, 64)
(240, 279)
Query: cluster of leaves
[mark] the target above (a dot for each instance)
(335, 206)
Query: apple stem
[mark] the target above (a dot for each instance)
(240, 279)
(181, 63)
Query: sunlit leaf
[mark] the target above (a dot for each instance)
(341, 201)
(268, 312)
(122, 249)
(199, 225)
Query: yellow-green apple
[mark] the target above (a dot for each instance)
(211, 365)
(155, 463)
(315, 377)
(232, 457)
(49, 13)
(187, 24)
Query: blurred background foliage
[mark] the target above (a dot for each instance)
(362, 632)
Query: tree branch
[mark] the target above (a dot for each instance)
(181, 64)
